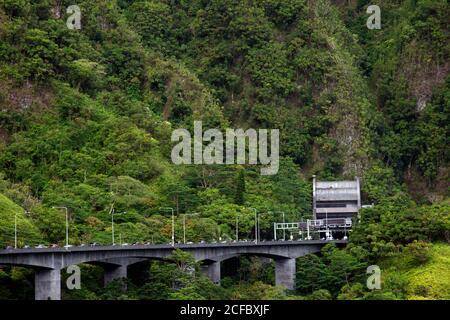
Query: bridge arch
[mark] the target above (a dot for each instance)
(238, 254)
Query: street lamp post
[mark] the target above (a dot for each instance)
(112, 227)
(256, 225)
(184, 224)
(112, 224)
(15, 227)
(173, 223)
(67, 224)
(237, 227)
(15, 230)
(184, 228)
(259, 227)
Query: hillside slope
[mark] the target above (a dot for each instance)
(426, 280)
(26, 231)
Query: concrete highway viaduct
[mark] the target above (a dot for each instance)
(116, 259)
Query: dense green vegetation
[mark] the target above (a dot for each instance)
(86, 118)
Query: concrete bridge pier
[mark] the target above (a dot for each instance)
(47, 284)
(115, 272)
(285, 273)
(212, 271)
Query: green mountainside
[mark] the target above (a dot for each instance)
(86, 118)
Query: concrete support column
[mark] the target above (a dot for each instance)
(212, 271)
(285, 273)
(113, 273)
(47, 284)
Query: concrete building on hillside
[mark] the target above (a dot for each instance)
(336, 206)
(336, 199)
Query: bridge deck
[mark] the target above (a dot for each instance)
(168, 246)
